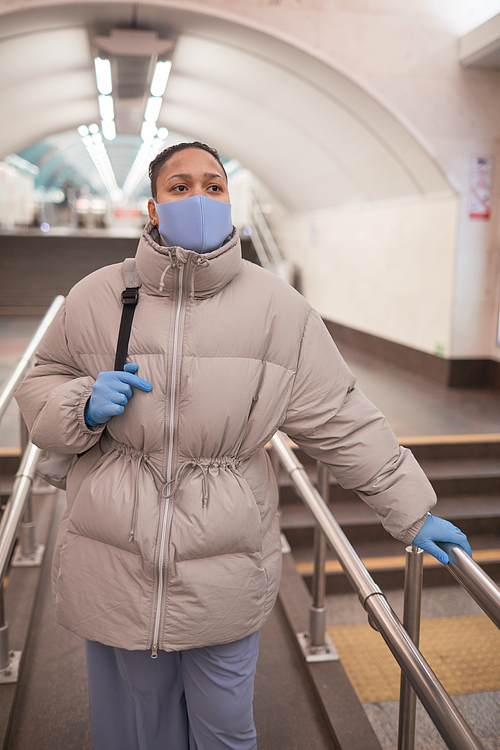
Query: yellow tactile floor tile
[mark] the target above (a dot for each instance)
(464, 652)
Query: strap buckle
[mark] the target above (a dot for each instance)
(130, 295)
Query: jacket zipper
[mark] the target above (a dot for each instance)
(173, 388)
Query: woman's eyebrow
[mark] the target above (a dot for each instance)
(186, 176)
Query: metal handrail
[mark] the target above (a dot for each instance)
(19, 504)
(24, 362)
(262, 254)
(474, 580)
(265, 233)
(449, 722)
(13, 513)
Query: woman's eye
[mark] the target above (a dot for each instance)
(214, 188)
(180, 188)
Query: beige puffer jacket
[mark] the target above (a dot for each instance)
(171, 536)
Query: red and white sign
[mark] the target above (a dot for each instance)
(480, 187)
(127, 212)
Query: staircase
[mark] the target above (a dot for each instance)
(465, 474)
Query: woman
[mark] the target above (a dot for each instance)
(168, 557)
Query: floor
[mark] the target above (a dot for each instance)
(481, 710)
(414, 407)
(418, 407)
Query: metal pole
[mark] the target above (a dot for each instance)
(473, 579)
(4, 634)
(28, 546)
(356, 573)
(317, 613)
(275, 463)
(9, 525)
(449, 722)
(411, 622)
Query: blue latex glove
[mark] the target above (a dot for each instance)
(438, 530)
(111, 393)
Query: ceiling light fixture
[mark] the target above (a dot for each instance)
(153, 108)
(146, 153)
(103, 75)
(97, 150)
(106, 107)
(160, 78)
(148, 132)
(108, 129)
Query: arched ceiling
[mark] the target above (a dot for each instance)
(310, 133)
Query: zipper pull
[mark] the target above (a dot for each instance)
(154, 652)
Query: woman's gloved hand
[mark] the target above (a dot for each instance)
(438, 530)
(111, 393)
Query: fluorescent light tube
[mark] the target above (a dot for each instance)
(148, 132)
(160, 78)
(103, 75)
(153, 108)
(109, 129)
(106, 107)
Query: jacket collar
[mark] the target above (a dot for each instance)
(210, 272)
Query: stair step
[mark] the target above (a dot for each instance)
(395, 562)
(385, 560)
(462, 468)
(437, 447)
(354, 512)
(449, 479)
(434, 469)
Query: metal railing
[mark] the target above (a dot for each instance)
(474, 580)
(23, 365)
(18, 511)
(449, 722)
(264, 243)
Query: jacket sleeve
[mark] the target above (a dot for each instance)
(333, 421)
(53, 395)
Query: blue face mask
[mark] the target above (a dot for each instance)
(198, 223)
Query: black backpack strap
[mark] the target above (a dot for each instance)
(130, 298)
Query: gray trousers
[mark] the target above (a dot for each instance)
(199, 699)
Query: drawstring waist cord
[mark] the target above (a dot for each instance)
(204, 465)
(143, 459)
(167, 489)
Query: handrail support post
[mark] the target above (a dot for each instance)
(28, 546)
(27, 553)
(317, 614)
(317, 645)
(4, 634)
(411, 623)
(9, 660)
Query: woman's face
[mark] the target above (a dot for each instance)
(190, 172)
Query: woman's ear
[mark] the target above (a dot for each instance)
(153, 216)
